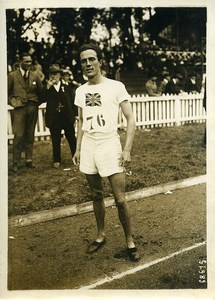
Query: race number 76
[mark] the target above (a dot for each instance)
(96, 120)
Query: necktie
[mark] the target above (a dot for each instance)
(26, 76)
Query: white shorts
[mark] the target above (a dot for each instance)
(100, 154)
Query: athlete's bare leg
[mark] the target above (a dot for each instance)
(117, 182)
(95, 183)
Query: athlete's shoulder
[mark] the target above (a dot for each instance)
(114, 82)
(81, 87)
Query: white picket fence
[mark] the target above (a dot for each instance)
(167, 110)
(149, 112)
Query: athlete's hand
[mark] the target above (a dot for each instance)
(125, 158)
(76, 158)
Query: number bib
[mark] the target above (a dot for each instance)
(95, 123)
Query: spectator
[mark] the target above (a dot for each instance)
(39, 70)
(118, 66)
(192, 84)
(68, 78)
(24, 92)
(165, 79)
(151, 86)
(60, 112)
(174, 86)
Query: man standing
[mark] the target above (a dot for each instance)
(60, 112)
(24, 90)
(99, 151)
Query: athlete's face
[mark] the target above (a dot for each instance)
(90, 63)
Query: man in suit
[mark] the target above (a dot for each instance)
(151, 86)
(174, 85)
(192, 84)
(60, 112)
(24, 91)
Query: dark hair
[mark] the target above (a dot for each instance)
(91, 46)
(22, 55)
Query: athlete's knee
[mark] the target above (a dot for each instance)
(120, 203)
(97, 195)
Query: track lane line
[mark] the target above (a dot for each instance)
(138, 268)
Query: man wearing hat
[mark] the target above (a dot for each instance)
(174, 85)
(60, 112)
(192, 84)
(151, 86)
(24, 92)
(68, 78)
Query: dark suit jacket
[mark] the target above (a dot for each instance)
(190, 87)
(17, 86)
(66, 96)
(172, 88)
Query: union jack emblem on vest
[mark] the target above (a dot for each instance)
(93, 99)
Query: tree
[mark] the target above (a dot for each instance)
(15, 23)
(70, 27)
(125, 32)
(19, 21)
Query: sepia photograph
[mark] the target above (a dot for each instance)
(107, 182)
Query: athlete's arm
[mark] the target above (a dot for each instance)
(127, 111)
(76, 157)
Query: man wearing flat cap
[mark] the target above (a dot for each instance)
(60, 112)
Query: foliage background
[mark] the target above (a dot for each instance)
(55, 34)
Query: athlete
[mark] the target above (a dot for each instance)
(99, 152)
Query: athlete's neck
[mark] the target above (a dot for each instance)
(96, 80)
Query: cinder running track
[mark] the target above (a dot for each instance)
(169, 231)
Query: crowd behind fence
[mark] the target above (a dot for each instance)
(149, 112)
